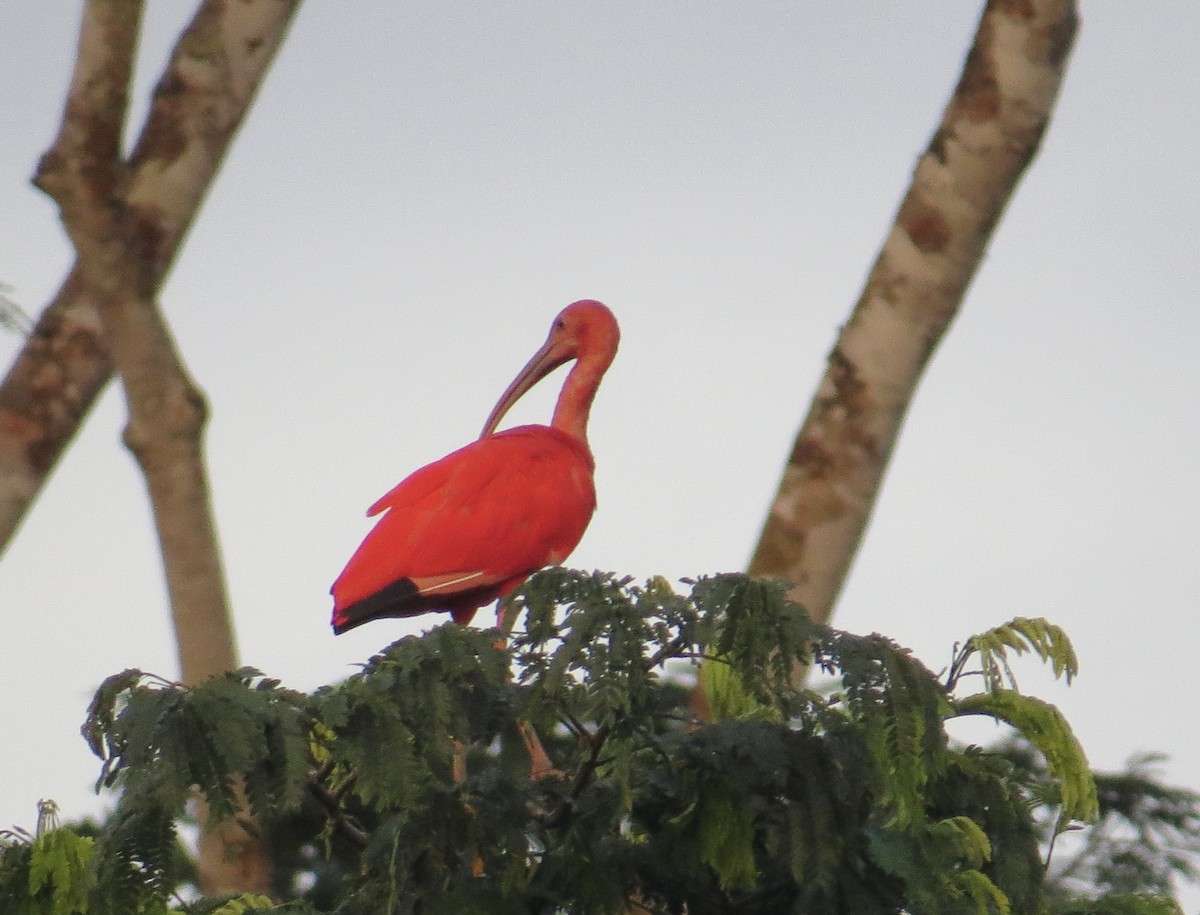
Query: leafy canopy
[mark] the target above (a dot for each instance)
(405, 788)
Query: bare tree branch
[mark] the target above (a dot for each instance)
(199, 102)
(125, 234)
(989, 133)
(83, 169)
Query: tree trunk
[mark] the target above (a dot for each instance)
(125, 233)
(989, 133)
(199, 103)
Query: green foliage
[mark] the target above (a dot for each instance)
(1074, 789)
(405, 788)
(58, 866)
(1146, 833)
(395, 723)
(1044, 726)
(46, 876)
(241, 904)
(1125, 904)
(159, 739)
(726, 697)
(1021, 634)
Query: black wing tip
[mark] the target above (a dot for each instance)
(396, 599)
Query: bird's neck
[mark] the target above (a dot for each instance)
(575, 399)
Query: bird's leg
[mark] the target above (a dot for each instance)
(458, 763)
(458, 772)
(539, 763)
(506, 619)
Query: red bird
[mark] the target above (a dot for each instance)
(468, 529)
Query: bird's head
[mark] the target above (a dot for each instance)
(585, 331)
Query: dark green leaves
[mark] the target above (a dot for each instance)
(395, 724)
(159, 740)
(405, 788)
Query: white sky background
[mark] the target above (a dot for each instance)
(421, 187)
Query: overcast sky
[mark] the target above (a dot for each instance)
(421, 187)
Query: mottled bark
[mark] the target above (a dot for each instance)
(126, 220)
(989, 133)
(198, 104)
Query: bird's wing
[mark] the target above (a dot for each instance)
(493, 511)
(415, 487)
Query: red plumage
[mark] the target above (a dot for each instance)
(500, 508)
(469, 528)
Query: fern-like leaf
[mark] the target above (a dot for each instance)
(981, 891)
(1020, 635)
(1044, 726)
(1125, 904)
(726, 827)
(59, 866)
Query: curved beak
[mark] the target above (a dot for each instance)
(554, 352)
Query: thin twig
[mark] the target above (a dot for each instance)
(331, 803)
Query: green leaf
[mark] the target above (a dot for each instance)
(244, 904)
(1125, 904)
(755, 628)
(728, 698)
(968, 842)
(59, 864)
(102, 712)
(136, 857)
(980, 890)
(1045, 727)
(726, 827)
(843, 800)
(900, 706)
(1021, 635)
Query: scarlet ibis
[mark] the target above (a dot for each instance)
(469, 528)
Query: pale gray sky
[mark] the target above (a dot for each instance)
(422, 186)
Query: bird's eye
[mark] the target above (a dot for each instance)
(560, 324)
